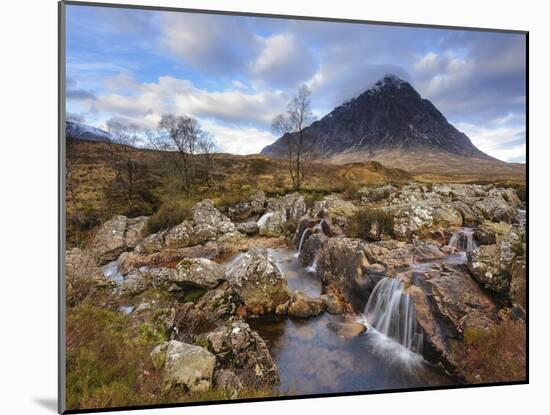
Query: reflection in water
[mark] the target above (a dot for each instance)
(312, 358)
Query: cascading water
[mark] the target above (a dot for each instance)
(389, 310)
(111, 271)
(262, 221)
(313, 267)
(463, 240)
(306, 231)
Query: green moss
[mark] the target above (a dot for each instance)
(193, 294)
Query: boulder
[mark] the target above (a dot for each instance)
(258, 280)
(341, 263)
(492, 265)
(207, 224)
(391, 254)
(242, 351)
(216, 307)
(494, 209)
(333, 304)
(139, 281)
(469, 217)
(229, 382)
(167, 257)
(302, 306)
(446, 302)
(330, 229)
(135, 231)
(109, 241)
(79, 263)
(334, 206)
(189, 366)
(294, 206)
(414, 220)
(151, 244)
(369, 195)
(248, 228)
(231, 242)
(271, 223)
(198, 272)
(311, 247)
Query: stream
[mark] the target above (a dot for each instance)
(312, 358)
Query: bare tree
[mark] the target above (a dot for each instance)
(122, 146)
(207, 148)
(291, 125)
(182, 136)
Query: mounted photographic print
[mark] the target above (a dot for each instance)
(258, 207)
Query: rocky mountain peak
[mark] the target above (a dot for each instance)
(390, 115)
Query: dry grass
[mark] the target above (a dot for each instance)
(495, 355)
(93, 195)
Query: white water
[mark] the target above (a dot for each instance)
(463, 240)
(307, 230)
(313, 267)
(111, 271)
(390, 311)
(265, 217)
(522, 217)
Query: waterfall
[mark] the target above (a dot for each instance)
(261, 222)
(313, 267)
(390, 311)
(302, 240)
(463, 240)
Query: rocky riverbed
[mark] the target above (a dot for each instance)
(385, 290)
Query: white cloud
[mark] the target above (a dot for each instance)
(503, 142)
(236, 139)
(178, 96)
(283, 61)
(214, 44)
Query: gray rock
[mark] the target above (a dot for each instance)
(229, 382)
(303, 306)
(271, 223)
(256, 277)
(334, 206)
(242, 351)
(207, 224)
(198, 272)
(152, 243)
(248, 228)
(109, 241)
(189, 366)
(135, 231)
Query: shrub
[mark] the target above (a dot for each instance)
(259, 166)
(496, 354)
(170, 214)
(371, 224)
(231, 197)
(311, 198)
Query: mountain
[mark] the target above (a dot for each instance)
(391, 123)
(79, 131)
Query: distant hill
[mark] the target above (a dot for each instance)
(79, 131)
(393, 124)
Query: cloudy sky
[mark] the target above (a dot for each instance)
(234, 74)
